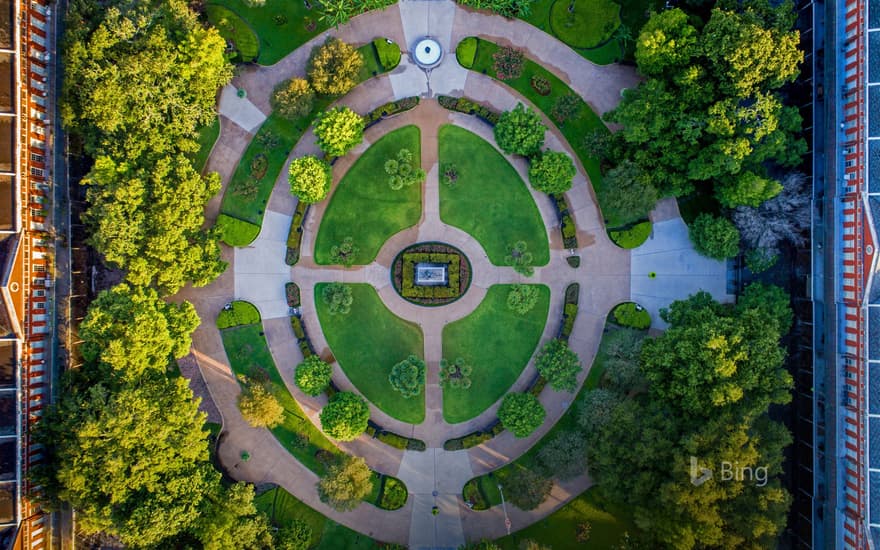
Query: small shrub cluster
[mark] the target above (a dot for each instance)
(302, 337)
(390, 109)
(313, 375)
(566, 222)
(473, 494)
(565, 108)
(455, 374)
(458, 274)
(466, 52)
(291, 292)
(338, 298)
(294, 236)
(408, 377)
(631, 237)
(449, 174)
(508, 63)
(395, 440)
(632, 315)
(506, 8)
(537, 386)
(237, 313)
(474, 438)
(469, 107)
(519, 257)
(344, 253)
(388, 53)
(569, 311)
(403, 171)
(236, 232)
(540, 84)
(522, 298)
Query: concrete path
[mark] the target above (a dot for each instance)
(240, 110)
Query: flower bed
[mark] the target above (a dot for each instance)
(458, 274)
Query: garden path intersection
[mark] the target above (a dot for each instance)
(258, 274)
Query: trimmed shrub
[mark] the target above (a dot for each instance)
(521, 413)
(408, 377)
(236, 232)
(566, 107)
(345, 416)
(291, 292)
(559, 365)
(313, 375)
(552, 172)
(293, 98)
(394, 494)
(714, 237)
(569, 316)
(259, 407)
(466, 51)
(508, 63)
(338, 130)
(388, 53)
(237, 313)
(631, 315)
(333, 67)
(573, 261)
(455, 374)
(520, 131)
(540, 84)
(309, 178)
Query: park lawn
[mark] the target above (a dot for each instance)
(607, 53)
(497, 343)
(367, 342)
(249, 355)
(281, 25)
(339, 537)
(363, 206)
(207, 137)
(574, 129)
(234, 29)
(584, 23)
(559, 530)
(490, 201)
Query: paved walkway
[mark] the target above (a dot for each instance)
(258, 274)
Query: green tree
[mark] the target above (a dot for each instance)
(338, 130)
(313, 375)
(551, 172)
(230, 521)
(521, 413)
(345, 417)
(147, 219)
(714, 237)
(523, 298)
(408, 377)
(520, 131)
(769, 299)
(98, 461)
(346, 483)
(564, 456)
(293, 98)
(259, 407)
(666, 42)
(626, 194)
(296, 535)
(338, 298)
(526, 489)
(131, 331)
(746, 189)
(559, 365)
(333, 67)
(309, 178)
(139, 76)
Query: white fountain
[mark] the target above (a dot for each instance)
(427, 53)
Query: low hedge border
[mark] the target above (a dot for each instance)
(302, 337)
(566, 222)
(402, 273)
(394, 440)
(469, 107)
(292, 294)
(474, 438)
(390, 109)
(294, 235)
(569, 311)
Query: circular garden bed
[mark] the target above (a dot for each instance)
(431, 274)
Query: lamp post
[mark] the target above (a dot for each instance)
(504, 507)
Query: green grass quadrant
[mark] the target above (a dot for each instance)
(490, 201)
(207, 137)
(363, 206)
(234, 28)
(497, 343)
(587, 24)
(248, 351)
(280, 25)
(367, 342)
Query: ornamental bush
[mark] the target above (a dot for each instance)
(309, 179)
(338, 298)
(408, 376)
(520, 131)
(559, 365)
(346, 484)
(565, 108)
(521, 413)
(455, 374)
(714, 237)
(293, 98)
(403, 170)
(338, 130)
(259, 407)
(333, 67)
(522, 298)
(508, 63)
(552, 172)
(344, 253)
(345, 416)
(313, 375)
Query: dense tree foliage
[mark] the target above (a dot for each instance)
(521, 413)
(229, 520)
(714, 237)
(523, 298)
(139, 76)
(346, 483)
(338, 130)
(564, 456)
(296, 535)
(551, 172)
(626, 194)
(146, 217)
(526, 489)
(559, 365)
(712, 377)
(313, 375)
(259, 407)
(345, 416)
(520, 131)
(709, 114)
(333, 67)
(408, 377)
(309, 178)
(293, 98)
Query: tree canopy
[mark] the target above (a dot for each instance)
(309, 178)
(338, 130)
(559, 365)
(521, 413)
(345, 417)
(520, 131)
(346, 483)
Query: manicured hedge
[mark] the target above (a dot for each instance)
(631, 237)
(474, 438)
(291, 292)
(294, 236)
(302, 337)
(394, 440)
(458, 275)
(569, 310)
(389, 54)
(393, 494)
(466, 51)
(236, 314)
(566, 222)
(236, 232)
(630, 314)
(469, 107)
(390, 109)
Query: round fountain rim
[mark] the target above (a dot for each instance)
(431, 42)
